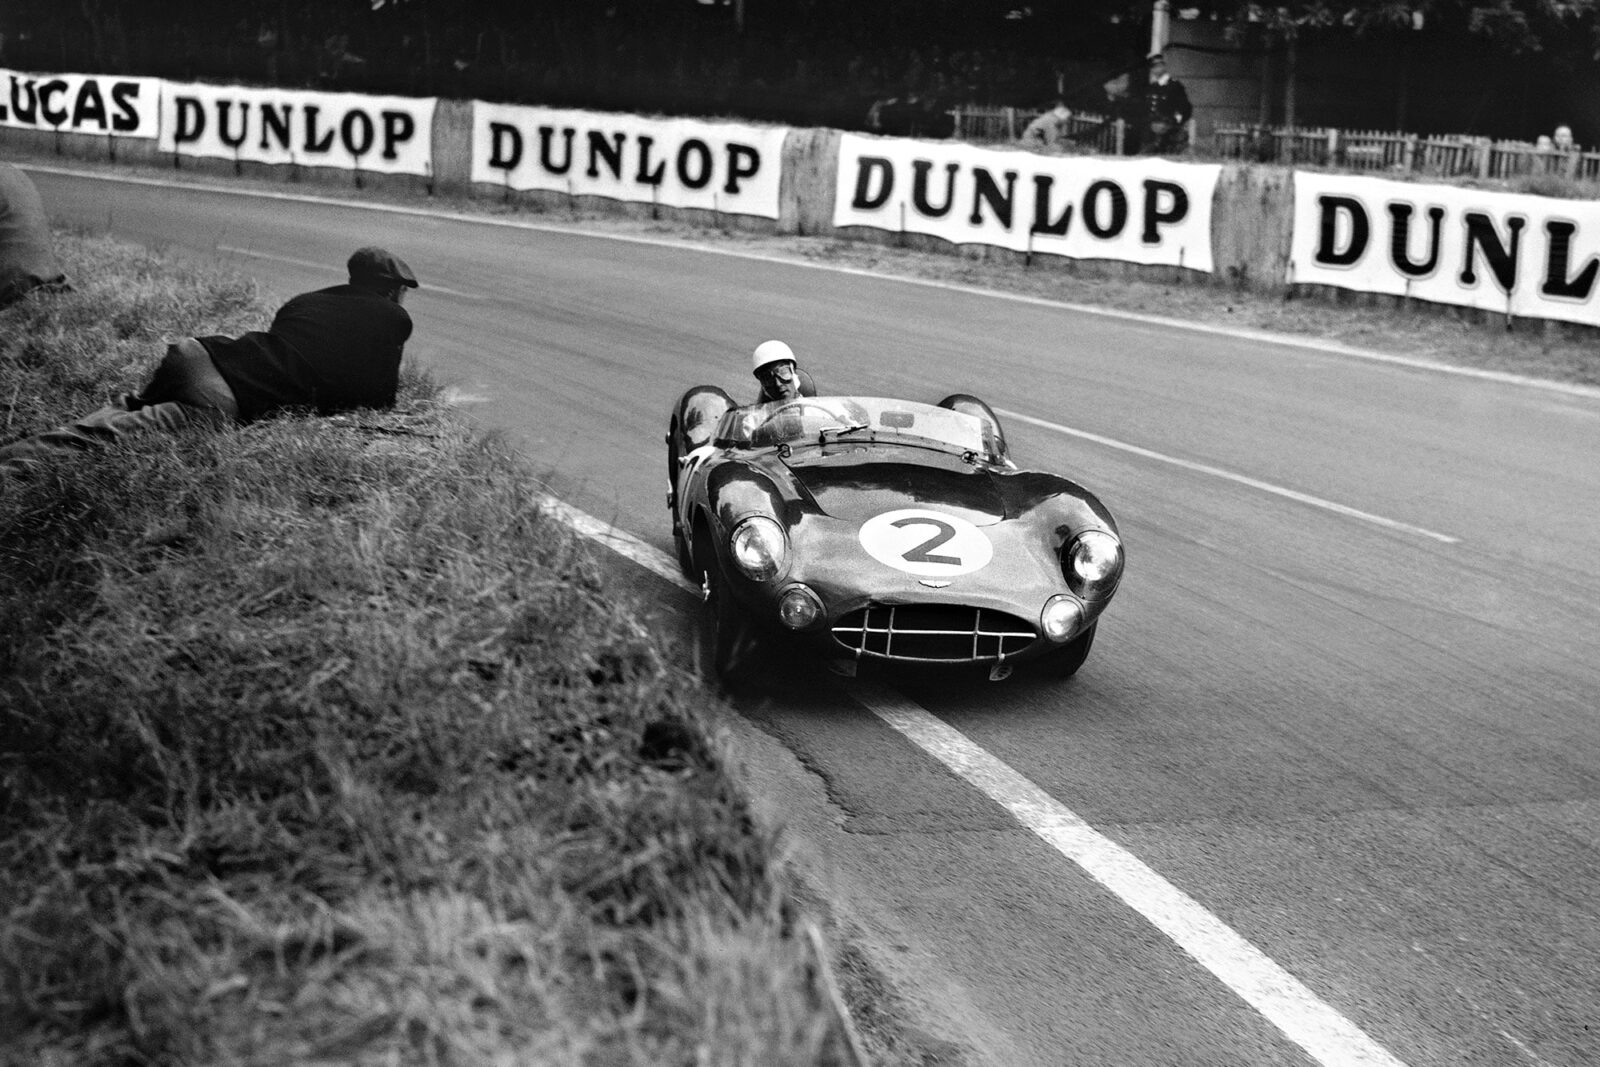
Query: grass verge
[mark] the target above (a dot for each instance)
(319, 743)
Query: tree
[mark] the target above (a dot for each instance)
(1515, 27)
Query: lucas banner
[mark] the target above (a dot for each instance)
(80, 103)
(684, 163)
(1523, 255)
(348, 131)
(1148, 211)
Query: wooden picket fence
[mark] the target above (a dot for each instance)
(1444, 155)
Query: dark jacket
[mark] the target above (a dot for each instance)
(331, 350)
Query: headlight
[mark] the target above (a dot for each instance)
(1092, 564)
(1061, 618)
(759, 548)
(799, 607)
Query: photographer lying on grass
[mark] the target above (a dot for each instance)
(328, 350)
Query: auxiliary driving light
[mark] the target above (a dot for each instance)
(1061, 618)
(799, 607)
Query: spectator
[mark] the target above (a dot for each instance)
(1167, 111)
(26, 261)
(329, 350)
(1562, 140)
(1050, 132)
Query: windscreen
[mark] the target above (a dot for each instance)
(821, 419)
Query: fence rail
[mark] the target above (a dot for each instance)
(1444, 155)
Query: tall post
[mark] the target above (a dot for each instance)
(1160, 25)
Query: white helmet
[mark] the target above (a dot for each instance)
(770, 352)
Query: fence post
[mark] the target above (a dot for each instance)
(1011, 123)
(960, 130)
(1485, 151)
(1408, 152)
(1120, 129)
(1333, 144)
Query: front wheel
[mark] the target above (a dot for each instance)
(1066, 660)
(727, 648)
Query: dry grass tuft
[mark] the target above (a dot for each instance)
(322, 744)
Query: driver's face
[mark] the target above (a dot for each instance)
(779, 381)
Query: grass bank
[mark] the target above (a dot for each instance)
(318, 743)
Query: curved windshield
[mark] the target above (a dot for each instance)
(817, 420)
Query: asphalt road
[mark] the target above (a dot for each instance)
(1326, 789)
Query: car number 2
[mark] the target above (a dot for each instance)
(928, 543)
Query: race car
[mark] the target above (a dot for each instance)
(880, 530)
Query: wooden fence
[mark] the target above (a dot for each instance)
(1445, 155)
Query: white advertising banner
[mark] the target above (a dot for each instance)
(1144, 210)
(1529, 256)
(685, 163)
(80, 103)
(350, 131)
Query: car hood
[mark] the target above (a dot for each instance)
(854, 484)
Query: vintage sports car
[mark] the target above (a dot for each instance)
(881, 530)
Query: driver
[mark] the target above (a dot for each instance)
(781, 378)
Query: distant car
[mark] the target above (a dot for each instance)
(873, 529)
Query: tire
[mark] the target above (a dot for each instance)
(726, 649)
(1065, 662)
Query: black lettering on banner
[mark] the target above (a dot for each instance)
(695, 146)
(1327, 254)
(1154, 217)
(28, 112)
(752, 161)
(646, 176)
(227, 138)
(90, 106)
(275, 122)
(357, 131)
(398, 127)
(609, 149)
(544, 149)
(312, 143)
(1117, 201)
(1556, 281)
(190, 124)
(52, 114)
(123, 95)
(920, 169)
(868, 167)
(1042, 184)
(1502, 260)
(1400, 240)
(987, 190)
(505, 146)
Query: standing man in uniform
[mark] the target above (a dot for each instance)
(1167, 111)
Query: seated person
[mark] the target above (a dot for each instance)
(781, 378)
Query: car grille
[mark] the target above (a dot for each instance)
(943, 633)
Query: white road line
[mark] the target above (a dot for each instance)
(1285, 340)
(431, 287)
(1328, 1037)
(1302, 1017)
(619, 541)
(1242, 479)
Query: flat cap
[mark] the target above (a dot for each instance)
(379, 264)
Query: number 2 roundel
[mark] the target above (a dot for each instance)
(928, 543)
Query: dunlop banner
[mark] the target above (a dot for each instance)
(1148, 211)
(377, 134)
(80, 103)
(684, 163)
(1523, 255)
